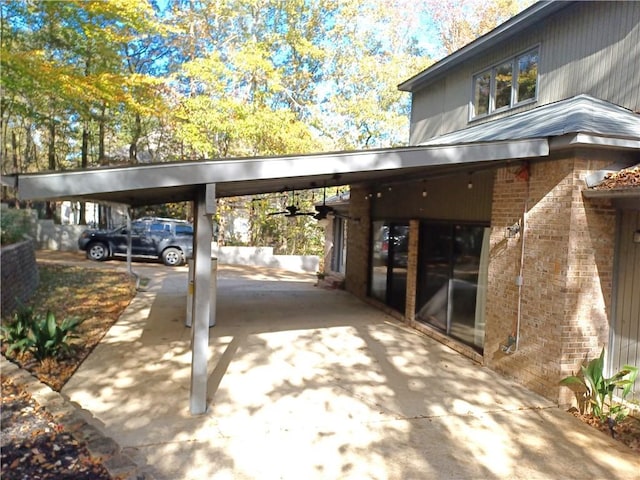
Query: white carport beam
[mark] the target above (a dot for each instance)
(201, 299)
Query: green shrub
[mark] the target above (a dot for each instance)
(598, 390)
(42, 336)
(48, 339)
(14, 226)
(15, 332)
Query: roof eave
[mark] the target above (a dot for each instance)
(176, 182)
(627, 192)
(573, 140)
(630, 193)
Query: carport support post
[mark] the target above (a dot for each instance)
(205, 208)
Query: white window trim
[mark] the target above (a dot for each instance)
(514, 85)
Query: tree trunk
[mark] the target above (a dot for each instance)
(133, 148)
(29, 146)
(102, 158)
(14, 153)
(84, 163)
(50, 206)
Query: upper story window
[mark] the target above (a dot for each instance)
(506, 84)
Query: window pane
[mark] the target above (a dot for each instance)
(398, 257)
(379, 260)
(467, 248)
(527, 76)
(481, 90)
(504, 76)
(434, 274)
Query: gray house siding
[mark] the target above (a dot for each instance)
(625, 341)
(592, 48)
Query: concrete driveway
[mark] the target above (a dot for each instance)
(307, 383)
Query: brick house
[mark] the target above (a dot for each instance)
(497, 231)
(523, 265)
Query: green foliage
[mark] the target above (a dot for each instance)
(598, 390)
(14, 226)
(50, 339)
(15, 332)
(132, 81)
(287, 235)
(43, 336)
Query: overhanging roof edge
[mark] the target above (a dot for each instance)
(64, 185)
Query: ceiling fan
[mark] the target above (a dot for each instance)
(324, 209)
(292, 210)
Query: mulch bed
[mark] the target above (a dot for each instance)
(627, 431)
(34, 446)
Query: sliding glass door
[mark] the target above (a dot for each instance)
(451, 280)
(388, 273)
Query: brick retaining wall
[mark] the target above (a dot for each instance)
(20, 275)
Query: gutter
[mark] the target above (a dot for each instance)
(630, 192)
(572, 140)
(10, 181)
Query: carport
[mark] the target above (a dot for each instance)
(204, 182)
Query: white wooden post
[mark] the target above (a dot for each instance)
(201, 299)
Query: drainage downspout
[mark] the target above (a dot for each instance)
(519, 280)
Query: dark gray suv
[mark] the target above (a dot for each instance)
(166, 239)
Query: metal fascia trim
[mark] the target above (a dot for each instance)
(584, 139)
(179, 175)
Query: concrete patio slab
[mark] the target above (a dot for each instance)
(308, 383)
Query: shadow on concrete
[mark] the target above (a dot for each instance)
(312, 383)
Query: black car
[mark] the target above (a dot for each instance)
(162, 238)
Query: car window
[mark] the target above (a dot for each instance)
(160, 227)
(184, 230)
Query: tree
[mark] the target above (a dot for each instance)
(61, 68)
(459, 22)
(93, 83)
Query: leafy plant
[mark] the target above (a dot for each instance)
(42, 336)
(48, 339)
(599, 389)
(15, 332)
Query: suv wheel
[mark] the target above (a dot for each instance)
(97, 251)
(172, 257)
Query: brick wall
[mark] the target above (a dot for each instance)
(567, 272)
(412, 271)
(19, 274)
(358, 242)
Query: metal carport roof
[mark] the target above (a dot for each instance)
(171, 182)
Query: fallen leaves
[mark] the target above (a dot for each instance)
(34, 445)
(626, 431)
(625, 178)
(97, 296)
